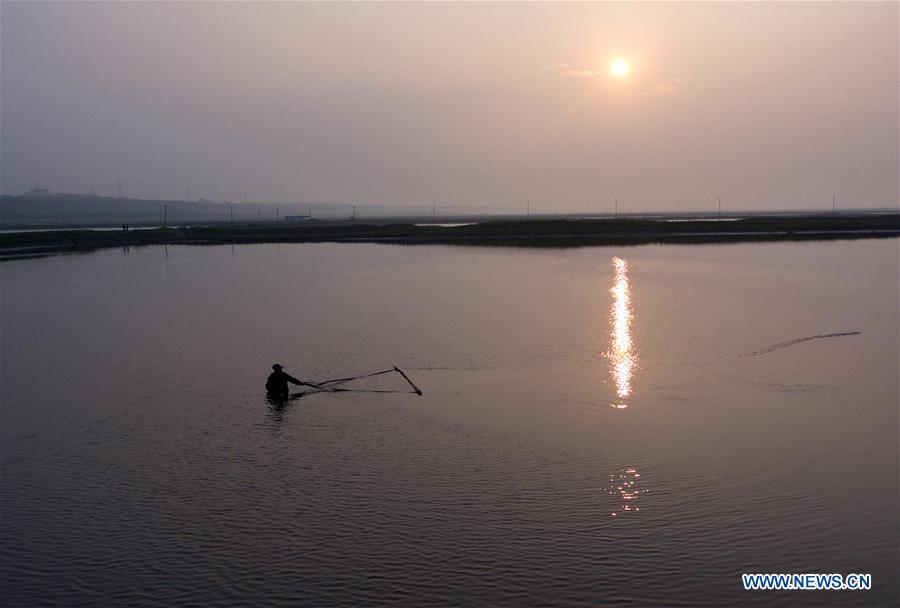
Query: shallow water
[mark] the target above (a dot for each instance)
(142, 466)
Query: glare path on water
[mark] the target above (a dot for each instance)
(621, 349)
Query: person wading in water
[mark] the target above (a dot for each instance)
(277, 384)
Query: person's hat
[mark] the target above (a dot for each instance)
(276, 367)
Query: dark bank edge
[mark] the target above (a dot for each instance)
(516, 233)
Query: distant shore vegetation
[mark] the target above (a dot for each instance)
(521, 233)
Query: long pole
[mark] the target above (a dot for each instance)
(416, 389)
(833, 204)
(617, 208)
(165, 215)
(720, 206)
(232, 213)
(528, 209)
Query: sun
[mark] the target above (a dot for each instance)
(619, 68)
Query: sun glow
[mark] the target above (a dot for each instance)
(619, 68)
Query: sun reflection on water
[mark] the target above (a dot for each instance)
(621, 347)
(623, 485)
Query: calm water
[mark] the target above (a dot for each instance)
(591, 431)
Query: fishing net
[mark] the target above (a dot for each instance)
(339, 385)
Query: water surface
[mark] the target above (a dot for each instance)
(593, 430)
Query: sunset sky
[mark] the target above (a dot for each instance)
(768, 105)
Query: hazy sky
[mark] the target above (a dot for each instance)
(765, 104)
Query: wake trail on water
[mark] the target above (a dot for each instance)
(781, 345)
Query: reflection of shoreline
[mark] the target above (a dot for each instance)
(624, 485)
(621, 348)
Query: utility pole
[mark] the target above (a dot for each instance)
(528, 209)
(258, 214)
(616, 213)
(120, 188)
(354, 211)
(165, 215)
(277, 216)
(833, 204)
(720, 206)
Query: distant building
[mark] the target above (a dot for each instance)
(37, 192)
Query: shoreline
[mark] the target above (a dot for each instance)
(511, 233)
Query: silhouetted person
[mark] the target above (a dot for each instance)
(277, 384)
